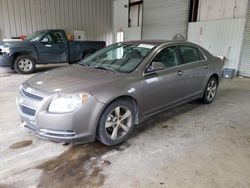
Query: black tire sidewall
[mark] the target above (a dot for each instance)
(24, 57)
(101, 130)
(204, 99)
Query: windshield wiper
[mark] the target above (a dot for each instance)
(104, 68)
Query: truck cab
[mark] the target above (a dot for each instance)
(45, 47)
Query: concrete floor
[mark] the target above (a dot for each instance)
(189, 146)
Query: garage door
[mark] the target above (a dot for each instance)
(245, 61)
(162, 19)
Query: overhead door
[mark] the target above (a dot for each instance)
(244, 69)
(162, 19)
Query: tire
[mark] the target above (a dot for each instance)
(24, 64)
(111, 129)
(210, 91)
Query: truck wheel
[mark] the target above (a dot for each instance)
(24, 64)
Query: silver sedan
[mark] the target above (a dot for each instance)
(107, 94)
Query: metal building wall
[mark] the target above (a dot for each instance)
(244, 68)
(222, 9)
(162, 19)
(220, 37)
(26, 16)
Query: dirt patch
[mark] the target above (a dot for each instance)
(21, 144)
(80, 166)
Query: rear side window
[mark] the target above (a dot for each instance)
(191, 54)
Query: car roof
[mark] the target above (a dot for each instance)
(154, 42)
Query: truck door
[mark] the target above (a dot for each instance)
(52, 48)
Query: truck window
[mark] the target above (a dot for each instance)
(54, 37)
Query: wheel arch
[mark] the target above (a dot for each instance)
(216, 76)
(17, 54)
(129, 98)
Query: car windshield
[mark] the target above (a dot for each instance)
(34, 36)
(119, 57)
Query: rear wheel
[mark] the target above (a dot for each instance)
(24, 64)
(210, 91)
(116, 123)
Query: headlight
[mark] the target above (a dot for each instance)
(68, 102)
(5, 50)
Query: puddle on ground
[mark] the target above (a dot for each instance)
(80, 166)
(21, 144)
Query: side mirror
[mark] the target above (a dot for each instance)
(45, 40)
(155, 66)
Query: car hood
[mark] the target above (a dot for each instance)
(12, 44)
(72, 78)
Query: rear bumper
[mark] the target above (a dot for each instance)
(6, 60)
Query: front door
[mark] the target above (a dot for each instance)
(163, 88)
(52, 48)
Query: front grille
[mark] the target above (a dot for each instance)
(27, 110)
(30, 95)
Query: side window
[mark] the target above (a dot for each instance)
(53, 37)
(191, 54)
(167, 56)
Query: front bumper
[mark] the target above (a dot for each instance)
(77, 126)
(6, 60)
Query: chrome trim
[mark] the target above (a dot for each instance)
(56, 134)
(29, 95)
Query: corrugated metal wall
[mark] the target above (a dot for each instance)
(244, 69)
(26, 16)
(220, 37)
(162, 19)
(222, 9)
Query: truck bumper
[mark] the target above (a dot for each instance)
(6, 60)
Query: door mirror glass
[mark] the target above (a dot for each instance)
(155, 66)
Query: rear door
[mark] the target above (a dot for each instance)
(165, 87)
(194, 67)
(52, 48)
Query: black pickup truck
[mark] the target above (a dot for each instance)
(44, 47)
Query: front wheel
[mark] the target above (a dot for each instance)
(116, 123)
(24, 64)
(210, 91)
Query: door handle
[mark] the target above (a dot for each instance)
(48, 45)
(179, 73)
(205, 66)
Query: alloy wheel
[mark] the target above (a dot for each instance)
(211, 90)
(25, 64)
(118, 122)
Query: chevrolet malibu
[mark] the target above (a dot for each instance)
(105, 95)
